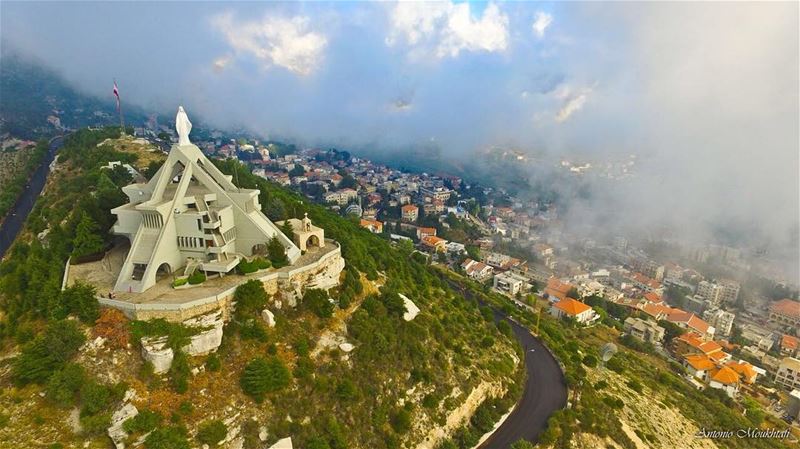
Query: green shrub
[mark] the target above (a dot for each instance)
(198, 277)
(250, 298)
(262, 376)
(143, 422)
(253, 330)
(48, 352)
(180, 281)
(167, 438)
(64, 385)
(213, 363)
(590, 360)
(277, 253)
(96, 424)
(80, 300)
(212, 432)
(179, 372)
(317, 301)
(401, 421)
(634, 385)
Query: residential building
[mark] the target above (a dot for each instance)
(788, 374)
(710, 291)
(374, 226)
(424, 231)
(691, 321)
(692, 343)
(698, 366)
(434, 243)
(724, 379)
(730, 291)
(478, 271)
(557, 290)
(410, 212)
(340, 197)
(789, 345)
(785, 312)
(645, 330)
(721, 320)
(354, 209)
(574, 309)
(793, 406)
(510, 283)
(456, 248)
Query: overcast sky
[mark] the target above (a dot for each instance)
(707, 93)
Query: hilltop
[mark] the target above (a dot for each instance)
(396, 384)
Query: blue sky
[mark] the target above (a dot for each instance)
(706, 93)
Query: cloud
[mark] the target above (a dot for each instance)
(446, 29)
(222, 62)
(543, 20)
(280, 41)
(572, 102)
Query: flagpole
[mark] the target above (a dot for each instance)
(119, 110)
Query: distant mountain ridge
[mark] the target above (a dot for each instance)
(33, 96)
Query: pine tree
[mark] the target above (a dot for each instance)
(87, 241)
(277, 253)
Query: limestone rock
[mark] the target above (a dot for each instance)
(156, 351)
(346, 347)
(411, 309)
(262, 433)
(116, 432)
(268, 317)
(284, 443)
(208, 340)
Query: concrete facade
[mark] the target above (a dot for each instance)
(190, 215)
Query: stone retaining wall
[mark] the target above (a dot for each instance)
(323, 273)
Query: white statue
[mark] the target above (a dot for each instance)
(183, 126)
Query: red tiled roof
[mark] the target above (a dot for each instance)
(786, 307)
(653, 297)
(557, 288)
(571, 307)
(700, 362)
(789, 342)
(656, 310)
(744, 369)
(689, 319)
(725, 376)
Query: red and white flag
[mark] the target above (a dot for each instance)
(116, 94)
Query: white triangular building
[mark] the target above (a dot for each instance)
(190, 215)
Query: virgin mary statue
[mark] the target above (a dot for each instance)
(183, 126)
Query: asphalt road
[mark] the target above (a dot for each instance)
(19, 211)
(545, 391)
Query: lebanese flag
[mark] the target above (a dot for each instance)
(116, 94)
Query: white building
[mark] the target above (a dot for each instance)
(721, 320)
(190, 213)
(574, 309)
(510, 283)
(788, 374)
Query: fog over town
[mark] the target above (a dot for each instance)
(703, 95)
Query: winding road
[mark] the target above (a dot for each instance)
(545, 389)
(18, 213)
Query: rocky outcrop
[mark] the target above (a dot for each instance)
(156, 351)
(268, 317)
(411, 309)
(116, 432)
(285, 443)
(209, 339)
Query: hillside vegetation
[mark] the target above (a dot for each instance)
(401, 380)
